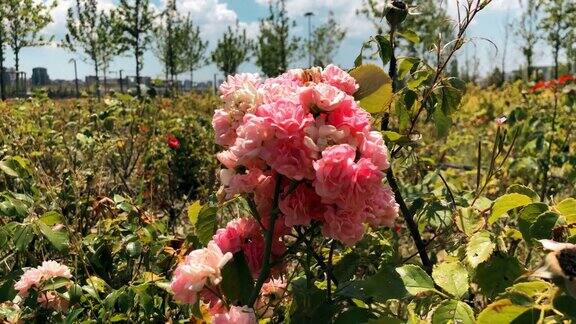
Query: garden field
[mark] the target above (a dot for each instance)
(396, 191)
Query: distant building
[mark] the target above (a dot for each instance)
(40, 77)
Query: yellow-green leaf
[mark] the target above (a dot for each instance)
(567, 208)
(375, 92)
(506, 203)
(193, 211)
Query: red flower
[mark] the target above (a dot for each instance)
(540, 85)
(173, 142)
(565, 78)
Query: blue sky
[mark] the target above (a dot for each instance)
(214, 16)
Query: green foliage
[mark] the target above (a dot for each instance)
(275, 48)
(231, 50)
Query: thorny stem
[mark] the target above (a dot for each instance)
(269, 235)
(406, 212)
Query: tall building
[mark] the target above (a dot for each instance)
(40, 77)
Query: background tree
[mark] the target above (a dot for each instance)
(93, 33)
(170, 37)
(231, 50)
(557, 25)
(430, 21)
(275, 48)
(326, 40)
(194, 54)
(25, 20)
(528, 33)
(136, 22)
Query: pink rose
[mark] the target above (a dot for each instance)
(253, 251)
(343, 225)
(340, 79)
(328, 98)
(381, 208)
(199, 267)
(335, 173)
(228, 239)
(301, 206)
(236, 315)
(374, 148)
(285, 117)
(245, 183)
(222, 124)
(349, 116)
(246, 227)
(228, 159)
(235, 83)
(289, 157)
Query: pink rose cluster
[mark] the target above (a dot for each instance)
(305, 128)
(33, 278)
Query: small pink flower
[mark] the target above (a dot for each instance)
(343, 225)
(200, 267)
(237, 82)
(228, 239)
(245, 183)
(228, 159)
(501, 121)
(236, 315)
(289, 157)
(222, 124)
(286, 118)
(301, 206)
(374, 148)
(340, 79)
(335, 173)
(34, 277)
(246, 227)
(254, 251)
(381, 208)
(349, 116)
(328, 98)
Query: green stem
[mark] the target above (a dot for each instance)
(269, 235)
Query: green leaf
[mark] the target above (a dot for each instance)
(405, 65)
(58, 239)
(506, 203)
(355, 315)
(442, 122)
(415, 279)
(206, 224)
(8, 170)
(346, 267)
(531, 288)
(501, 311)
(55, 283)
(410, 36)
(499, 273)
(384, 49)
(453, 311)
(375, 92)
(23, 235)
(469, 221)
(567, 208)
(51, 218)
(480, 248)
(543, 226)
(402, 114)
(384, 285)
(193, 211)
(452, 277)
(526, 218)
(524, 191)
(237, 282)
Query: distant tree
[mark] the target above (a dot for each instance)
(25, 20)
(454, 70)
(231, 50)
(528, 33)
(326, 40)
(169, 39)
(95, 34)
(429, 22)
(275, 47)
(194, 54)
(136, 21)
(557, 25)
